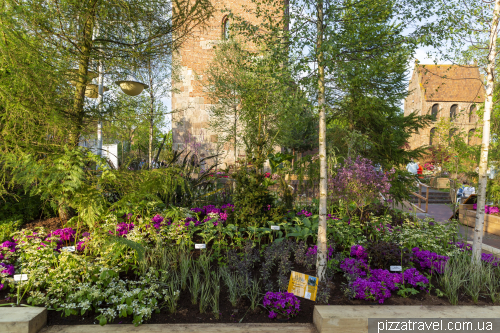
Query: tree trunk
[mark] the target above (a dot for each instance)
(322, 247)
(483, 162)
(161, 147)
(82, 77)
(151, 119)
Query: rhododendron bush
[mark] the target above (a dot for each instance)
(358, 182)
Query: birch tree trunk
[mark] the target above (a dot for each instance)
(483, 162)
(321, 261)
(151, 118)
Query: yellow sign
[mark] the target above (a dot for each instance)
(303, 285)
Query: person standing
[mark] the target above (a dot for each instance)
(412, 167)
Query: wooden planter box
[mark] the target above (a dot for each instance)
(440, 182)
(467, 216)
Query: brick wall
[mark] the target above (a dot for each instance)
(416, 102)
(192, 119)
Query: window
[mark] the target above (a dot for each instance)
(225, 28)
(472, 113)
(435, 111)
(432, 134)
(453, 111)
(453, 132)
(472, 139)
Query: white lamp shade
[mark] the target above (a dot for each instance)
(132, 88)
(92, 90)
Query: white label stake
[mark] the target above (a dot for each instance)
(20, 277)
(200, 246)
(68, 249)
(275, 227)
(395, 268)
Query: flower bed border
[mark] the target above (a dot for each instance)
(467, 216)
(354, 318)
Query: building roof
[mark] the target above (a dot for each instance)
(451, 83)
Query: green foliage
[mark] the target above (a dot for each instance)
(252, 197)
(17, 208)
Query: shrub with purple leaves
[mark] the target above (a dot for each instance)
(359, 182)
(281, 303)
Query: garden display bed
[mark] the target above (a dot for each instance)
(131, 269)
(467, 216)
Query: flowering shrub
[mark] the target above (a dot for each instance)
(376, 284)
(358, 182)
(429, 260)
(489, 209)
(281, 303)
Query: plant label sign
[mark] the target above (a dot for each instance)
(200, 246)
(275, 227)
(68, 249)
(303, 285)
(20, 277)
(395, 268)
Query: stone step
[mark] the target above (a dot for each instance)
(355, 318)
(184, 328)
(22, 319)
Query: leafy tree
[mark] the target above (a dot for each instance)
(465, 25)
(315, 46)
(57, 37)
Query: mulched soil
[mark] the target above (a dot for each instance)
(52, 223)
(188, 313)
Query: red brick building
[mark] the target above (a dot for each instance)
(449, 91)
(190, 123)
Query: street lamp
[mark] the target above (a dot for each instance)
(132, 88)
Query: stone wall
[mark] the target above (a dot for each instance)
(191, 105)
(416, 102)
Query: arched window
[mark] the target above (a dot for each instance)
(472, 113)
(453, 111)
(432, 134)
(453, 132)
(435, 111)
(225, 28)
(472, 138)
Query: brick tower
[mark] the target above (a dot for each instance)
(449, 91)
(190, 121)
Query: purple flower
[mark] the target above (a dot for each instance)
(8, 269)
(157, 220)
(123, 228)
(1, 286)
(354, 267)
(9, 245)
(304, 212)
(283, 303)
(64, 235)
(359, 252)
